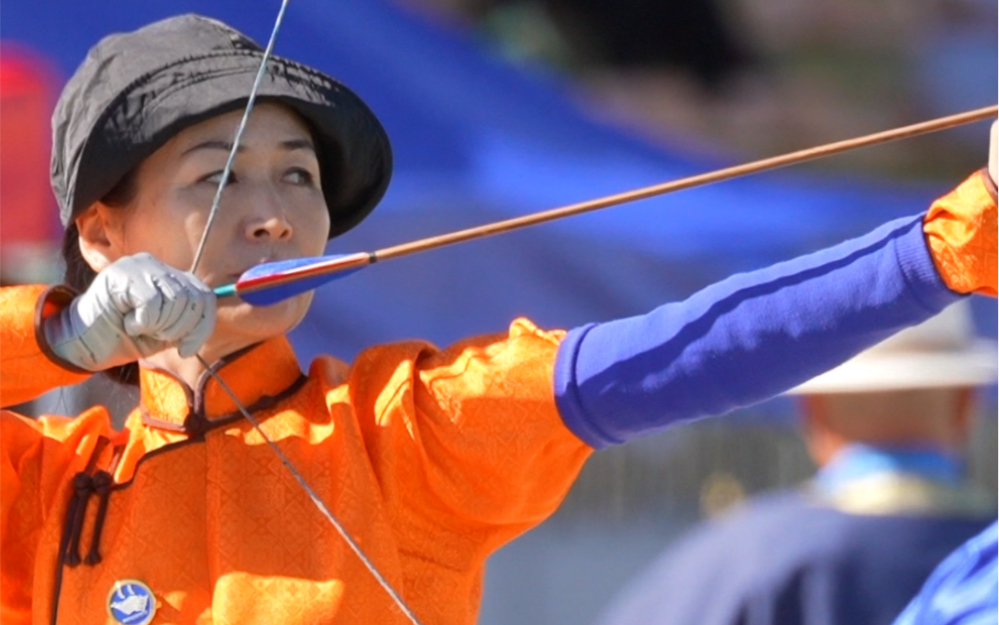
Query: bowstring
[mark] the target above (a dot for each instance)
(227, 170)
(315, 498)
(226, 173)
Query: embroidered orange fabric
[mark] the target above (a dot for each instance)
(29, 373)
(961, 231)
(432, 459)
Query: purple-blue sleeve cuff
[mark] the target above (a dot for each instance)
(746, 338)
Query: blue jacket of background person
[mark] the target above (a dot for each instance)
(852, 548)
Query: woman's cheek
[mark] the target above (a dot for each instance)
(315, 225)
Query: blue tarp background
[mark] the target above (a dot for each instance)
(478, 140)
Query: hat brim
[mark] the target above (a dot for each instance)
(975, 365)
(353, 147)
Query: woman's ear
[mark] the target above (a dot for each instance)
(100, 236)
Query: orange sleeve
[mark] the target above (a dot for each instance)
(25, 371)
(961, 230)
(467, 442)
(502, 455)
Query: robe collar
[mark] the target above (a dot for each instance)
(259, 375)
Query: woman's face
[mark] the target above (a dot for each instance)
(272, 209)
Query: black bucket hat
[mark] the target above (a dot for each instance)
(136, 90)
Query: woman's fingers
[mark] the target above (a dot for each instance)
(167, 306)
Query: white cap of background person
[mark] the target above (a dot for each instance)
(942, 352)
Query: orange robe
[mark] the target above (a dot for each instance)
(431, 460)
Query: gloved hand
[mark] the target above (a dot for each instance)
(135, 307)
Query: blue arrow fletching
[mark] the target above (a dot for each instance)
(314, 272)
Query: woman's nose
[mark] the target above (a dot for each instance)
(274, 227)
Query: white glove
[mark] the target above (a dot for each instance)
(135, 307)
(994, 151)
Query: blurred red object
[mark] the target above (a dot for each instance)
(29, 225)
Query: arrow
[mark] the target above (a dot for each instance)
(270, 283)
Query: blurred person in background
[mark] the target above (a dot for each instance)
(887, 505)
(964, 589)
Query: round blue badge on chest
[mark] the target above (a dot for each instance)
(131, 602)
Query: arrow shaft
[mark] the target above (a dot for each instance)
(357, 261)
(727, 173)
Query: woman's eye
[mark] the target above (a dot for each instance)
(216, 177)
(300, 176)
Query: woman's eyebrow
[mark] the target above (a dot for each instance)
(215, 144)
(298, 144)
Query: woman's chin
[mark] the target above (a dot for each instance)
(252, 324)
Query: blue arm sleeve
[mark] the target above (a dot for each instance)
(747, 338)
(963, 590)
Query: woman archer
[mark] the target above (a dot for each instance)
(431, 459)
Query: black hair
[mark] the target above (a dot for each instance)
(79, 274)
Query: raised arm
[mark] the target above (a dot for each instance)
(135, 307)
(757, 334)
